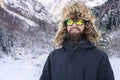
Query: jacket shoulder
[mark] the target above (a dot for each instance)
(55, 52)
(101, 53)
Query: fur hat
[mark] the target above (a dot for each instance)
(76, 10)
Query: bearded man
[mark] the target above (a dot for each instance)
(77, 58)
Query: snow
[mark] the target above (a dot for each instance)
(46, 2)
(115, 34)
(21, 69)
(115, 63)
(30, 9)
(30, 22)
(95, 3)
(30, 68)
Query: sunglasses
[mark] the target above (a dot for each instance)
(69, 22)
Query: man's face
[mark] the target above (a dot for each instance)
(75, 27)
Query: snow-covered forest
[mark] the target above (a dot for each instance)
(28, 27)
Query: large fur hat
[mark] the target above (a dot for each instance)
(76, 10)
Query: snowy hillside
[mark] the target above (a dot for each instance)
(26, 25)
(29, 9)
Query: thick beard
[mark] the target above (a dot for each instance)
(76, 37)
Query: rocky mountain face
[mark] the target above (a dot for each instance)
(27, 27)
(21, 28)
(30, 9)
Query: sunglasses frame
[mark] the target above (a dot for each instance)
(74, 21)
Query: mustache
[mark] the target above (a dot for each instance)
(75, 28)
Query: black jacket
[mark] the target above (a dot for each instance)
(82, 62)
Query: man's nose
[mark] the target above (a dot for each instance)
(74, 24)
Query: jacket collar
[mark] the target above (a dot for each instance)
(83, 44)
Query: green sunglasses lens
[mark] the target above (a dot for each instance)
(69, 22)
(79, 22)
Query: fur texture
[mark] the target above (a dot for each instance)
(77, 10)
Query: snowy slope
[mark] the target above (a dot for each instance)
(31, 9)
(26, 68)
(115, 62)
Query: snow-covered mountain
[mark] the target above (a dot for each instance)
(25, 27)
(31, 9)
(30, 25)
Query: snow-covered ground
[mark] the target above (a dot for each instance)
(115, 62)
(26, 68)
(30, 68)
